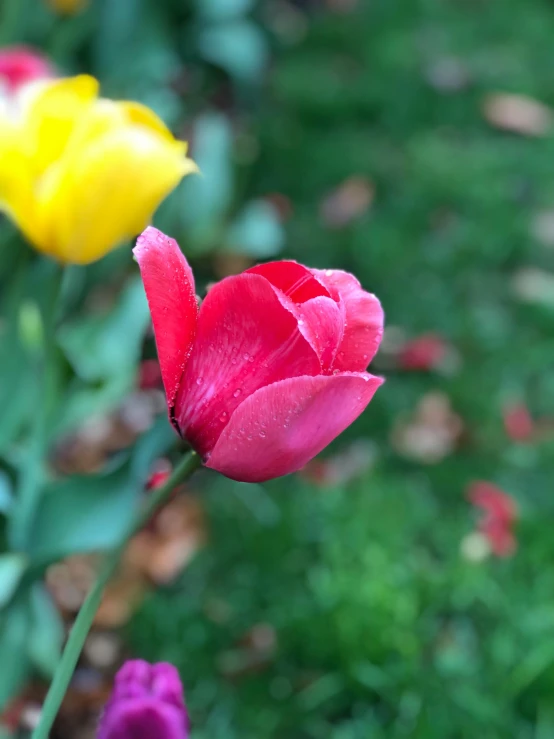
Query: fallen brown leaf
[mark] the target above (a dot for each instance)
(431, 433)
(351, 199)
(542, 227)
(518, 114)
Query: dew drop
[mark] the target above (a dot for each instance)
(249, 437)
(246, 357)
(262, 434)
(199, 380)
(328, 272)
(251, 359)
(365, 356)
(336, 372)
(237, 392)
(300, 322)
(223, 416)
(341, 355)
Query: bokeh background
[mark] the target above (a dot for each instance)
(412, 144)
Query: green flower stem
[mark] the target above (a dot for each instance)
(46, 380)
(85, 617)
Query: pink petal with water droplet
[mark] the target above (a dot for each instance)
(169, 285)
(363, 320)
(279, 428)
(246, 339)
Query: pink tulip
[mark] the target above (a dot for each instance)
(146, 703)
(20, 65)
(270, 369)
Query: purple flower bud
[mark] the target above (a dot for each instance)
(146, 702)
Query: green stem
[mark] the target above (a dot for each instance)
(85, 617)
(46, 378)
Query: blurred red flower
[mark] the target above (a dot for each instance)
(518, 422)
(423, 353)
(150, 375)
(499, 513)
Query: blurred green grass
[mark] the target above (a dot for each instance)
(381, 627)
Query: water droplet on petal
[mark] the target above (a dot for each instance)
(328, 272)
(365, 356)
(199, 380)
(336, 372)
(251, 359)
(246, 357)
(223, 417)
(237, 392)
(262, 434)
(249, 437)
(300, 322)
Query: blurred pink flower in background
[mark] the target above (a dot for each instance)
(425, 352)
(499, 514)
(518, 422)
(20, 65)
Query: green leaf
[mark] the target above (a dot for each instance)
(91, 513)
(257, 231)
(208, 198)
(223, 10)
(46, 636)
(12, 567)
(101, 347)
(6, 494)
(14, 633)
(83, 401)
(17, 370)
(238, 47)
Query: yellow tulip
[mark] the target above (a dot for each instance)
(67, 7)
(80, 174)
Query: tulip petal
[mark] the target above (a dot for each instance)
(363, 316)
(143, 116)
(16, 183)
(278, 429)
(296, 281)
(169, 285)
(321, 322)
(246, 339)
(52, 114)
(110, 192)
